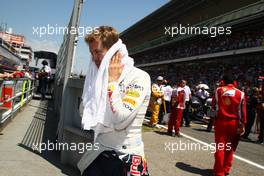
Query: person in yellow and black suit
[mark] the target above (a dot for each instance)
(156, 100)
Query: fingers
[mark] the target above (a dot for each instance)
(113, 60)
(242, 130)
(115, 68)
(116, 59)
(119, 57)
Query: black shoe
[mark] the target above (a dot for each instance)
(245, 138)
(208, 129)
(260, 142)
(152, 126)
(171, 134)
(187, 125)
(178, 135)
(227, 174)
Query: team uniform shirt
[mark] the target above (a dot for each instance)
(188, 93)
(156, 94)
(47, 69)
(178, 98)
(167, 92)
(18, 74)
(127, 103)
(202, 94)
(230, 103)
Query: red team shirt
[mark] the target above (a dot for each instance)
(230, 103)
(178, 98)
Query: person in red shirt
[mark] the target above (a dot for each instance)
(16, 74)
(229, 124)
(178, 105)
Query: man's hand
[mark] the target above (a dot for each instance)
(115, 68)
(241, 129)
(161, 95)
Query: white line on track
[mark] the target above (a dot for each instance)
(208, 145)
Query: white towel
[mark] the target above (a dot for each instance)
(95, 113)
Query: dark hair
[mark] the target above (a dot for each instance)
(228, 79)
(44, 62)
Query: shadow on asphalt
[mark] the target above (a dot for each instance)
(249, 141)
(42, 130)
(161, 132)
(202, 130)
(194, 170)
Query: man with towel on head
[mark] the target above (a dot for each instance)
(114, 102)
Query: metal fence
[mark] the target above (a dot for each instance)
(64, 67)
(15, 93)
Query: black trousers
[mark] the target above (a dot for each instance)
(168, 106)
(161, 113)
(106, 164)
(261, 133)
(44, 86)
(210, 124)
(251, 115)
(185, 114)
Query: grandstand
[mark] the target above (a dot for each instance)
(200, 58)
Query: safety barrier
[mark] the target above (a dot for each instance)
(15, 93)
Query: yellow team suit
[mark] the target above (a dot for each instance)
(155, 103)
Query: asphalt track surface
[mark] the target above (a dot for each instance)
(166, 158)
